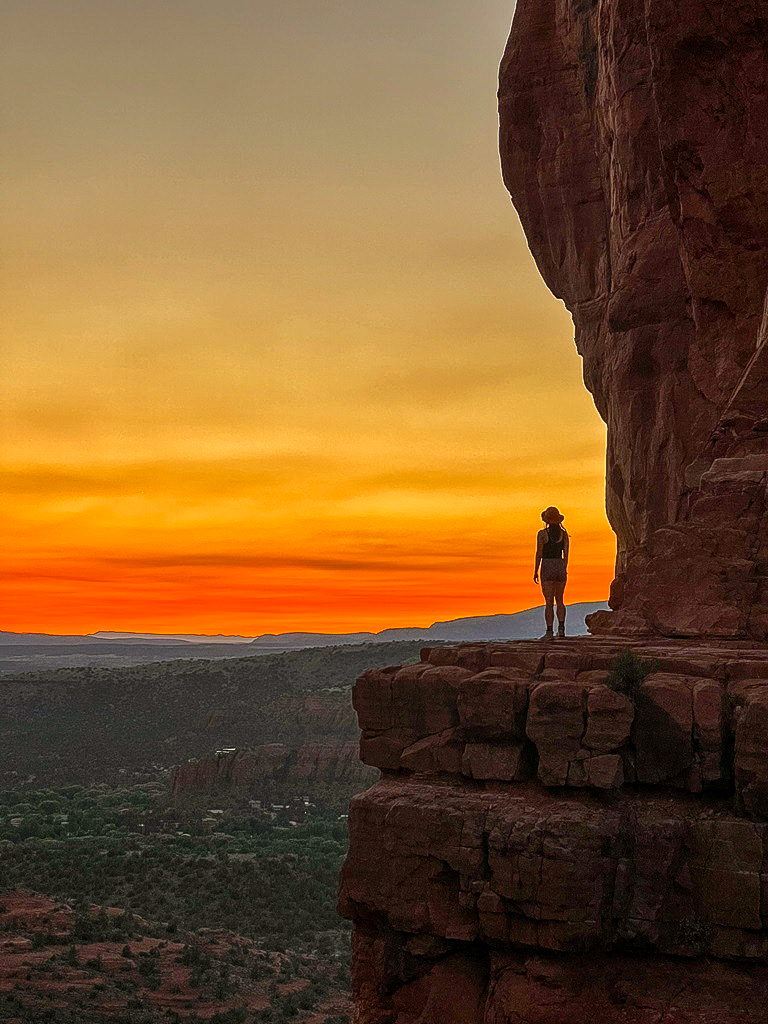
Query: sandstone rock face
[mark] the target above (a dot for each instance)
(227, 770)
(238, 771)
(634, 143)
(317, 731)
(699, 721)
(545, 849)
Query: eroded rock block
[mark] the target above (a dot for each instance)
(605, 771)
(424, 697)
(633, 143)
(662, 729)
(527, 659)
(576, 730)
(751, 753)
(384, 750)
(493, 705)
(372, 698)
(507, 762)
(609, 720)
(556, 724)
(438, 753)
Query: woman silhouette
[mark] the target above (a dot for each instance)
(552, 556)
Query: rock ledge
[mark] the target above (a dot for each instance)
(536, 831)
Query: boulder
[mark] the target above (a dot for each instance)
(609, 720)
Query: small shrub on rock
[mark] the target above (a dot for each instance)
(628, 672)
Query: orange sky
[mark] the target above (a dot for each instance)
(274, 352)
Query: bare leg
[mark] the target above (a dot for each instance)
(548, 589)
(559, 595)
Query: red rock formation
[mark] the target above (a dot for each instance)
(549, 844)
(634, 142)
(542, 849)
(327, 761)
(225, 770)
(317, 747)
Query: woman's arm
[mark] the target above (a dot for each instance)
(539, 550)
(566, 548)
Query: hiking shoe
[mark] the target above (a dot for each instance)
(561, 632)
(549, 635)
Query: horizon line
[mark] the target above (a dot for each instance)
(115, 634)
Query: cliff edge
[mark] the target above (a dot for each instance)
(552, 841)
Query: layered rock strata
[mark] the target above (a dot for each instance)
(240, 771)
(315, 743)
(634, 143)
(542, 849)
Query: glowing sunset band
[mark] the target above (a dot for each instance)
(275, 354)
(281, 561)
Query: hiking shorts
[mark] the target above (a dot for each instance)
(552, 570)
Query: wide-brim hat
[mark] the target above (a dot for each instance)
(552, 515)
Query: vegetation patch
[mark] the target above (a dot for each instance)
(230, 922)
(91, 725)
(628, 672)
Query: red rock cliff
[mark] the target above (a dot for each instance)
(634, 143)
(542, 849)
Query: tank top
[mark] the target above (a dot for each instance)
(552, 548)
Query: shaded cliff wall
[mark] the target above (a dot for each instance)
(542, 849)
(634, 143)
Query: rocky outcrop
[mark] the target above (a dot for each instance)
(634, 143)
(518, 711)
(446, 984)
(235, 772)
(228, 770)
(543, 847)
(315, 744)
(558, 836)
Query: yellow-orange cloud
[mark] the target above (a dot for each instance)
(275, 355)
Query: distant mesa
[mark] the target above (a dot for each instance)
(194, 638)
(74, 640)
(513, 626)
